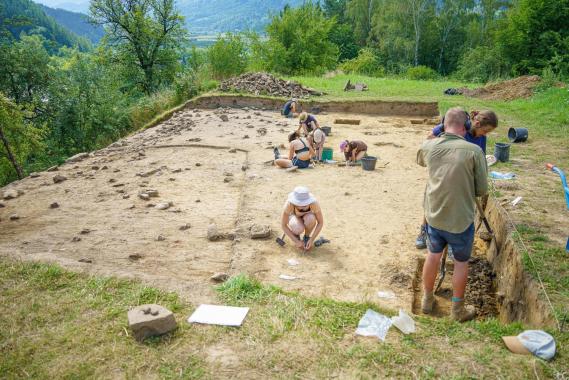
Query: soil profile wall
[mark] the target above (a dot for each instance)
(366, 107)
(519, 297)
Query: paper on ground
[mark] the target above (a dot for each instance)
(373, 324)
(219, 315)
(286, 277)
(293, 262)
(388, 294)
(516, 201)
(404, 322)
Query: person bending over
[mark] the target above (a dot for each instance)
(307, 123)
(291, 108)
(353, 150)
(457, 175)
(302, 216)
(299, 153)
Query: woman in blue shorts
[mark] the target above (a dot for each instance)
(299, 153)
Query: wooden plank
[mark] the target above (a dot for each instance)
(347, 121)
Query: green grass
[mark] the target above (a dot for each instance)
(59, 324)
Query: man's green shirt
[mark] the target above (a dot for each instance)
(457, 174)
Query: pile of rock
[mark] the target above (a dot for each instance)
(266, 84)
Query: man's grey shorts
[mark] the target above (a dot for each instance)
(461, 243)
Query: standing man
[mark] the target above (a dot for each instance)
(457, 174)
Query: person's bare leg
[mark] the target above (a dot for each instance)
(429, 275)
(283, 163)
(360, 155)
(459, 278)
(309, 224)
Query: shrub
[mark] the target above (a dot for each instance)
(421, 73)
(366, 63)
(228, 56)
(482, 64)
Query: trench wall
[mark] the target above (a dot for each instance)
(518, 295)
(367, 107)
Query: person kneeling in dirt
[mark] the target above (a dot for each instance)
(291, 108)
(457, 174)
(302, 215)
(307, 123)
(353, 150)
(299, 154)
(478, 125)
(317, 138)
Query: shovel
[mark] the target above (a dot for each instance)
(280, 241)
(443, 270)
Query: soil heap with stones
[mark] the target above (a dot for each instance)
(521, 87)
(266, 84)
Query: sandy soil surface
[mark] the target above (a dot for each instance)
(371, 218)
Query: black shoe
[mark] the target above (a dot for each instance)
(276, 152)
(306, 239)
(421, 241)
(320, 241)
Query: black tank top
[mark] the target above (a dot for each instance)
(304, 149)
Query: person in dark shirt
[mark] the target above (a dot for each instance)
(307, 123)
(353, 150)
(291, 108)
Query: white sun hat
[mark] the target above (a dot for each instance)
(536, 342)
(301, 196)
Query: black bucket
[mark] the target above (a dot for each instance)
(327, 130)
(517, 135)
(368, 163)
(502, 152)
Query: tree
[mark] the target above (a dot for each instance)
(449, 20)
(417, 10)
(228, 56)
(148, 33)
(360, 13)
(299, 41)
(18, 140)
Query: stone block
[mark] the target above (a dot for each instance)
(150, 320)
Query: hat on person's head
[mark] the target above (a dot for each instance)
(294, 100)
(301, 196)
(303, 116)
(343, 145)
(536, 342)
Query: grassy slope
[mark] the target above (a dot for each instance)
(58, 324)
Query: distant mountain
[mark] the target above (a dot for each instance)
(78, 23)
(30, 18)
(214, 16)
(81, 6)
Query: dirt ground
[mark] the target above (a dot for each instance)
(101, 225)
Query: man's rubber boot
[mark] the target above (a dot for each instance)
(421, 241)
(428, 302)
(462, 313)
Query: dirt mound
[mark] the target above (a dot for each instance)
(521, 87)
(266, 84)
(480, 290)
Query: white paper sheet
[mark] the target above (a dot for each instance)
(219, 315)
(287, 277)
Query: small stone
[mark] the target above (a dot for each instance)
(94, 167)
(2, 205)
(171, 179)
(227, 179)
(85, 231)
(219, 277)
(144, 196)
(148, 205)
(160, 238)
(54, 205)
(59, 178)
(152, 193)
(485, 235)
(213, 233)
(85, 260)
(163, 205)
(135, 256)
(150, 320)
(198, 201)
(179, 170)
(346, 193)
(76, 239)
(246, 137)
(14, 217)
(34, 175)
(126, 196)
(244, 167)
(198, 164)
(10, 194)
(186, 226)
(260, 231)
(224, 117)
(232, 150)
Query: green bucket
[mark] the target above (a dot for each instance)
(327, 153)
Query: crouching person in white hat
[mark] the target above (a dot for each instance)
(302, 215)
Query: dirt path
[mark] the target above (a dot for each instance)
(371, 217)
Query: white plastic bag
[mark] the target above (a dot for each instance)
(404, 322)
(373, 324)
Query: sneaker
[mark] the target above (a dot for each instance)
(276, 152)
(421, 241)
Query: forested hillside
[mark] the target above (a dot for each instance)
(17, 16)
(76, 22)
